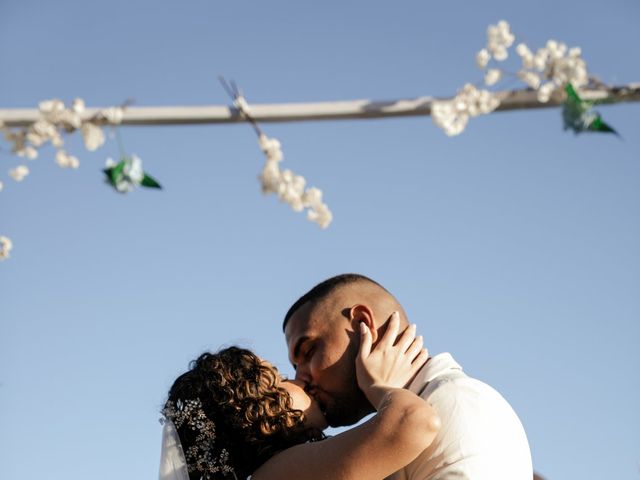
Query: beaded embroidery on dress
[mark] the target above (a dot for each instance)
(204, 456)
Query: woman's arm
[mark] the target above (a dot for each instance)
(402, 428)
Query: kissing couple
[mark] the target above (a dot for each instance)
(233, 416)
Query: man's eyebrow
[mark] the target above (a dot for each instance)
(297, 347)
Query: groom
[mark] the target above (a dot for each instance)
(481, 437)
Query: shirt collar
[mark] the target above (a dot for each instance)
(435, 366)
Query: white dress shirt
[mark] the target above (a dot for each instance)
(481, 437)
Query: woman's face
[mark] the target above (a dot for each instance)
(313, 416)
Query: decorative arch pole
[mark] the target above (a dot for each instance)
(554, 75)
(523, 99)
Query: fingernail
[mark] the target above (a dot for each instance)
(363, 328)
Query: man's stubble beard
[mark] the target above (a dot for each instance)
(349, 406)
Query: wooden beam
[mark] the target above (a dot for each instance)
(338, 110)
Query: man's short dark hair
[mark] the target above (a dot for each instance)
(323, 289)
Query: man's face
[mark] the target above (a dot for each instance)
(322, 348)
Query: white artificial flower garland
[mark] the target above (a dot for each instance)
(547, 71)
(453, 115)
(551, 68)
(289, 187)
(55, 120)
(552, 71)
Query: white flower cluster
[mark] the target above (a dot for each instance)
(552, 67)
(499, 39)
(64, 160)
(19, 173)
(5, 247)
(290, 187)
(55, 120)
(549, 69)
(132, 173)
(93, 136)
(453, 115)
(546, 70)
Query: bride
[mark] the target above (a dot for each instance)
(232, 416)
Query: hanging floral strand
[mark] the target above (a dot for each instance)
(289, 187)
(55, 120)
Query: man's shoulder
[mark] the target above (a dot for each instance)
(439, 370)
(444, 384)
(442, 373)
(480, 428)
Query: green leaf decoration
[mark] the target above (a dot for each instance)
(107, 172)
(572, 95)
(599, 125)
(120, 179)
(578, 115)
(150, 182)
(116, 172)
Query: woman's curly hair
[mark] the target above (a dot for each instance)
(252, 414)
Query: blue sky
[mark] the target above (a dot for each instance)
(515, 246)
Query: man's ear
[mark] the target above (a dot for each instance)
(360, 313)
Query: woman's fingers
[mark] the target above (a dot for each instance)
(395, 358)
(365, 340)
(407, 337)
(414, 348)
(390, 335)
(420, 360)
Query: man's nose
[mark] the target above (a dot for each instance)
(299, 383)
(302, 375)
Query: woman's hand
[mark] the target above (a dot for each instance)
(392, 363)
